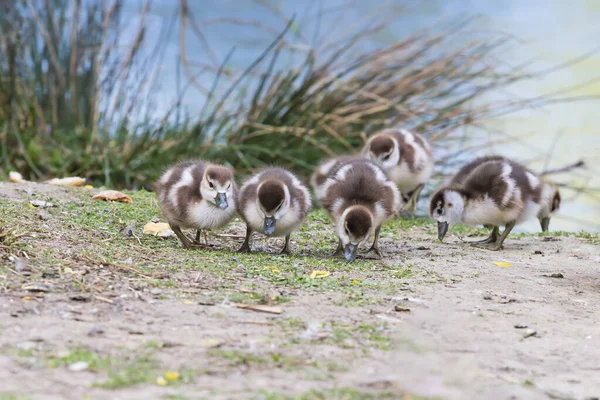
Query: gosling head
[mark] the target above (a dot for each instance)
(217, 186)
(353, 228)
(447, 207)
(552, 194)
(383, 149)
(273, 202)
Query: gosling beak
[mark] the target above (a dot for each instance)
(545, 223)
(442, 229)
(350, 252)
(269, 228)
(221, 200)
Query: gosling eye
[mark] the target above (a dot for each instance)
(449, 204)
(210, 185)
(229, 186)
(385, 158)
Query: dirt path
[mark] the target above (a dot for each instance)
(429, 321)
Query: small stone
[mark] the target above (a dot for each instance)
(423, 248)
(521, 326)
(129, 230)
(96, 331)
(80, 297)
(538, 252)
(529, 333)
(156, 292)
(79, 366)
(41, 204)
(401, 309)
(205, 301)
(27, 345)
(22, 266)
(556, 276)
(487, 297)
(44, 215)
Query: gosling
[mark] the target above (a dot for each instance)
(406, 157)
(273, 202)
(550, 191)
(359, 197)
(199, 195)
(498, 192)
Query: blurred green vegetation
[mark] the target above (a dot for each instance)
(75, 100)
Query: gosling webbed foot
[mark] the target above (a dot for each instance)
(374, 250)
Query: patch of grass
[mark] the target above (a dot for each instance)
(374, 333)
(13, 396)
(291, 324)
(256, 298)
(95, 361)
(175, 397)
(236, 358)
(129, 372)
(337, 393)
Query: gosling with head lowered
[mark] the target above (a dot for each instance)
(359, 196)
(273, 202)
(406, 157)
(497, 192)
(550, 192)
(197, 194)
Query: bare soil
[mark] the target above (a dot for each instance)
(430, 320)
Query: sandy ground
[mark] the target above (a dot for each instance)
(459, 327)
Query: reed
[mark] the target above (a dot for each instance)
(75, 99)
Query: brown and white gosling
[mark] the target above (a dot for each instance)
(406, 157)
(197, 194)
(498, 192)
(359, 197)
(273, 202)
(550, 191)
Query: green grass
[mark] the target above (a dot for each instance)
(95, 361)
(339, 394)
(13, 396)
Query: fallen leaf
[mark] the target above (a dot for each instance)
(258, 307)
(161, 381)
(88, 187)
(188, 302)
(16, 177)
(319, 274)
(160, 229)
(172, 375)
(502, 264)
(113, 195)
(68, 181)
(27, 298)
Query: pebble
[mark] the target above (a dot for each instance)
(27, 346)
(79, 366)
(96, 331)
(529, 333)
(44, 215)
(41, 204)
(521, 326)
(156, 292)
(401, 309)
